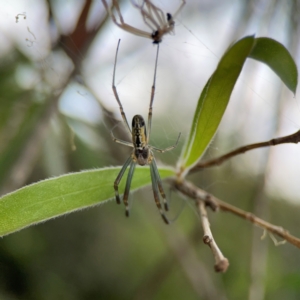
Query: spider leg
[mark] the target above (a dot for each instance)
(147, 16)
(155, 191)
(116, 140)
(159, 184)
(157, 11)
(135, 31)
(126, 26)
(165, 26)
(119, 177)
(109, 10)
(116, 93)
(152, 97)
(121, 23)
(168, 148)
(127, 187)
(179, 9)
(117, 7)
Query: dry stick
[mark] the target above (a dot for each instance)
(221, 262)
(183, 252)
(190, 190)
(191, 265)
(293, 138)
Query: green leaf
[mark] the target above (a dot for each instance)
(217, 91)
(277, 57)
(213, 101)
(57, 196)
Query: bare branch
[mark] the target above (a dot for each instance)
(183, 250)
(194, 192)
(221, 262)
(293, 138)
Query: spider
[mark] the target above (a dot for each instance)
(153, 17)
(142, 153)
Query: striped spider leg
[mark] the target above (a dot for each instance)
(142, 153)
(159, 23)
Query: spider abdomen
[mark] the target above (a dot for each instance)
(139, 135)
(139, 140)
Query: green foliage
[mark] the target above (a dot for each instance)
(18, 113)
(217, 91)
(277, 57)
(57, 196)
(48, 128)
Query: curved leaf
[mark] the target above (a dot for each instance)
(217, 91)
(213, 101)
(277, 57)
(57, 196)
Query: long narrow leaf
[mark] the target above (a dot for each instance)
(214, 99)
(217, 91)
(57, 196)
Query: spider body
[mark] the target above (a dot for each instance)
(142, 153)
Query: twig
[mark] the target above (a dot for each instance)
(194, 192)
(193, 268)
(293, 138)
(221, 262)
(182, 250)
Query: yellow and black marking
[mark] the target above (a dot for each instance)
(141, 153)
(139, 135)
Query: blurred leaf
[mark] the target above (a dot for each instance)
(291, 281)
(11, 94)
(214, 99)
(14, 143)
(19, 111)
(277, 57)
(57, 196)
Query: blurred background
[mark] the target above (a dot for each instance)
(57, 109)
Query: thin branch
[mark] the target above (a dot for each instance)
(221, 262)
(194, 192)
(182, 249)
(293, 138)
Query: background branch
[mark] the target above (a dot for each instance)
(194, 192)
(293, 138)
